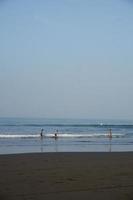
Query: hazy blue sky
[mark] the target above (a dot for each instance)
(66, 58)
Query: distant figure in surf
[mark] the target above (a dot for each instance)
(55, 135)
(41, 134)
(110, 133)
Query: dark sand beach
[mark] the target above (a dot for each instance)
(66, 176)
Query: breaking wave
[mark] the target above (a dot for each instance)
(64, 135)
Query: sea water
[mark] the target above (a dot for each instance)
(22, 135)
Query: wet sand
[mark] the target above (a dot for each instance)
(64, 176)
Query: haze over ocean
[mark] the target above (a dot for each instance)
(66, 59)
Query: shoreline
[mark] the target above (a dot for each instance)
(66, 175)
(64, 152)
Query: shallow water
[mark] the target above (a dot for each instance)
(21, 135)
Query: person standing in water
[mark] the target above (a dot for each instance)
(110, 133)
(41, 134)
(55, 135)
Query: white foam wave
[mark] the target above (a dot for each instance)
(62, 135)
(19, 136)
(93, 135)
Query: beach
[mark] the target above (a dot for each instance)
(66, 176)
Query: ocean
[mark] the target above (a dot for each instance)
(22, 135)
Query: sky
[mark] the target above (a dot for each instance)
(66, 58)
